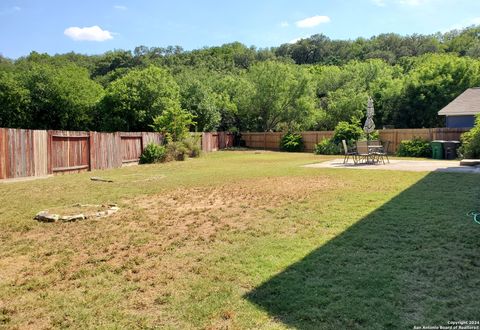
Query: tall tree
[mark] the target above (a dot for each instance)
(60, 97)
(282, 96)
(14, 102)
(131, 102)
(198, 98)
(434, 81)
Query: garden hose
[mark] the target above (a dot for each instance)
(475, 215)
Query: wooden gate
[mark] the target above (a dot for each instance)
(70, 151)
(132, 147)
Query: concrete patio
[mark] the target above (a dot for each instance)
(402, 165)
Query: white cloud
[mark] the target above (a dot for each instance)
(380, 3)
(312, 21)
(412, 3)
(284, 24)
(463, 24)
(403, 3)
(120, 7)
(92, 33)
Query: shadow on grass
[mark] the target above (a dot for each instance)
(413, 261)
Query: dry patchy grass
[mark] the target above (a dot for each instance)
(201, 244)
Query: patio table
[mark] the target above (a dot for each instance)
(369, 152)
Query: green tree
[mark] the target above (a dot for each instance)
(131, 102)
(343, 91)
(460, 41)
(282, 96)
(434, 81)
(61, 97)
(174, 124)
(113, 65)
(14, 102)
(234, 93)
(198, 98)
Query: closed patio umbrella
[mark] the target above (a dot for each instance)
(369, 126)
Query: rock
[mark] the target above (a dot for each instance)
(46, 217)
(73, 217)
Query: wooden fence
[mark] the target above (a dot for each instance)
(25, 153)
(216, 141)
(271, 140)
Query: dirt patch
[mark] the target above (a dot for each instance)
(201, 212)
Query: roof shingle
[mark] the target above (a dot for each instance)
(467, 103)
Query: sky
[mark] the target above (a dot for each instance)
(96, 26)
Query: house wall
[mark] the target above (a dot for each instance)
(460, 121)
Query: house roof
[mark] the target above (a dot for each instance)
(467, 103)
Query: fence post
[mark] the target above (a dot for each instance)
(395, 145)
(144, 140)
(49, 152)
(90, 151)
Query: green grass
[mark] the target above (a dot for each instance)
(242, 240)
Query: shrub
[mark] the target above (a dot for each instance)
(176, 151)
(173, 123)
(471, 142)
(153, 153)
(416, 147)
(291, 142)
(192, 144)
(346, 131)
(327, 147)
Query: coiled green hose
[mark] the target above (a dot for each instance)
(475, 215)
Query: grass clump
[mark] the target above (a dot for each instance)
(177, 151)
(193, 145)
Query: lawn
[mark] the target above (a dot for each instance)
(238, 240)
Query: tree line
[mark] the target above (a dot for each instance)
(310, 85)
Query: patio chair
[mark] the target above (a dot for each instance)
(348, 152)
(362, 152)
(384, 152)
(374, 148)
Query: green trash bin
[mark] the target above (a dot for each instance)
(437, 149)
